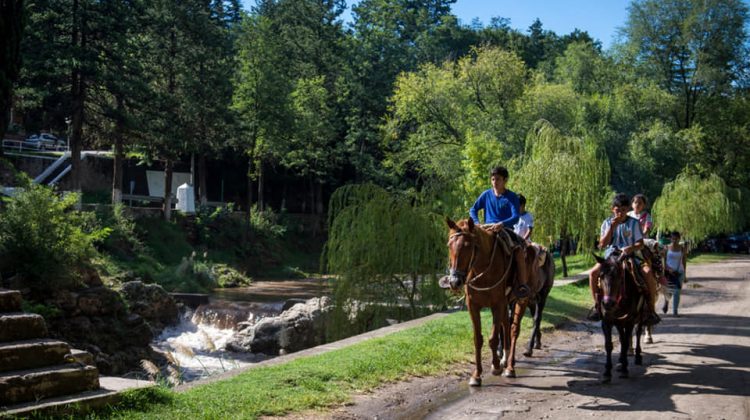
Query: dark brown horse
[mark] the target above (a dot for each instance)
(484, 266)
(623, 303)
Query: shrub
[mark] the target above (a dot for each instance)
(43, 239)
(122, 240)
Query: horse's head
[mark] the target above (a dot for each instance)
(462, 247)
(611, 279)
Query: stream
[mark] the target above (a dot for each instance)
(198, 342)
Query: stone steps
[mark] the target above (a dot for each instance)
(17, 326)
(10, 300)
(75, 406)
(30, 354)
(52, 381)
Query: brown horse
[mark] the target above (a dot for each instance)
(623, 303)
(483, 265)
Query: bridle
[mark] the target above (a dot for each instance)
(455, 272)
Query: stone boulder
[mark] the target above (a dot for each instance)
(151, 302)
(300, 327)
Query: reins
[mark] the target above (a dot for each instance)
(489, 266)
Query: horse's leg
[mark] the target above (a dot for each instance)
(626, 334)
(607, 330)
(638, 332)
(542, 302)
(515, 328)
(533, 308)
(494, 340)
(476, 376)
(505, 338)
(649, 336)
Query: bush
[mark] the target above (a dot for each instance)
(122, 240)
(43, 239)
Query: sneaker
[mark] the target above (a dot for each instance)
(594, 314)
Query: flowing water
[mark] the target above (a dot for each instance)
(198, 342)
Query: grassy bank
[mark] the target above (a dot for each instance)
(332, 378)
(576, 264)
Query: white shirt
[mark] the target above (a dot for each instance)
(524, 225)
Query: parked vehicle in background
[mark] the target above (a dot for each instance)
(44, 141)
(738, 243)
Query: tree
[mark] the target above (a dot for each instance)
(698, 207)
(382, 248)
(693, 48)
(566, 181)
(12, 21)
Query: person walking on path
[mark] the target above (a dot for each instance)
(675, 262)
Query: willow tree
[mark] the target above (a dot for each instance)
(565, 180)
(698, 207)
(383, 249)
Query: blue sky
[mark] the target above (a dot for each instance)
(600, 18)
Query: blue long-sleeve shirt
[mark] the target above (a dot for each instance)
(497, 209)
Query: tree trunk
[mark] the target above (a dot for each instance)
(563, 253)
(249, 178)
(203, 194)
(319, 198)
(167, 203)
(119, 155)
(261, 204)
(78, 99)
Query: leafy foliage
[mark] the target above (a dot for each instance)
(43, 239)
(698, 207)
(565, 180)
(382, 248)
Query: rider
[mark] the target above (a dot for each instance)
(622, 232)
(525, 224)
(652, 265)
(500, 207)
(640, 213)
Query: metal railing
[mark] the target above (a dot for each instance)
(25, 146)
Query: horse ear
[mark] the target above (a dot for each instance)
(471, 224)
(451, 224)
(598, 259)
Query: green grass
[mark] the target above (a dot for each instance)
(330, 379)
(706, 258)
(576, 264)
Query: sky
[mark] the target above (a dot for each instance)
(600, 18)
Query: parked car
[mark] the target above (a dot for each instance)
(43, 141)
(739, 243)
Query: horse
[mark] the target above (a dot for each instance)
(623, 304)
(482, 263)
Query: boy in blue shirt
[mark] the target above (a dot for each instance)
(501, 211)
(500, 205)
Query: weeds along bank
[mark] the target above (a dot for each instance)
(72, 267)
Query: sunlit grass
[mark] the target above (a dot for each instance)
(331, 379)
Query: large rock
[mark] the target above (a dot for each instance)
(151, 302)
(300, 327)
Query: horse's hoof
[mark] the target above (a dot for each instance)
(538, 346)
(497, 371)
(649, 340)
(606, 379)
(475, 381)
(509, 373)
(618, 368)
(528, 353)
(624, 374)
(638, 360)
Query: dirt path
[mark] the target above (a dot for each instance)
(698, 367)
